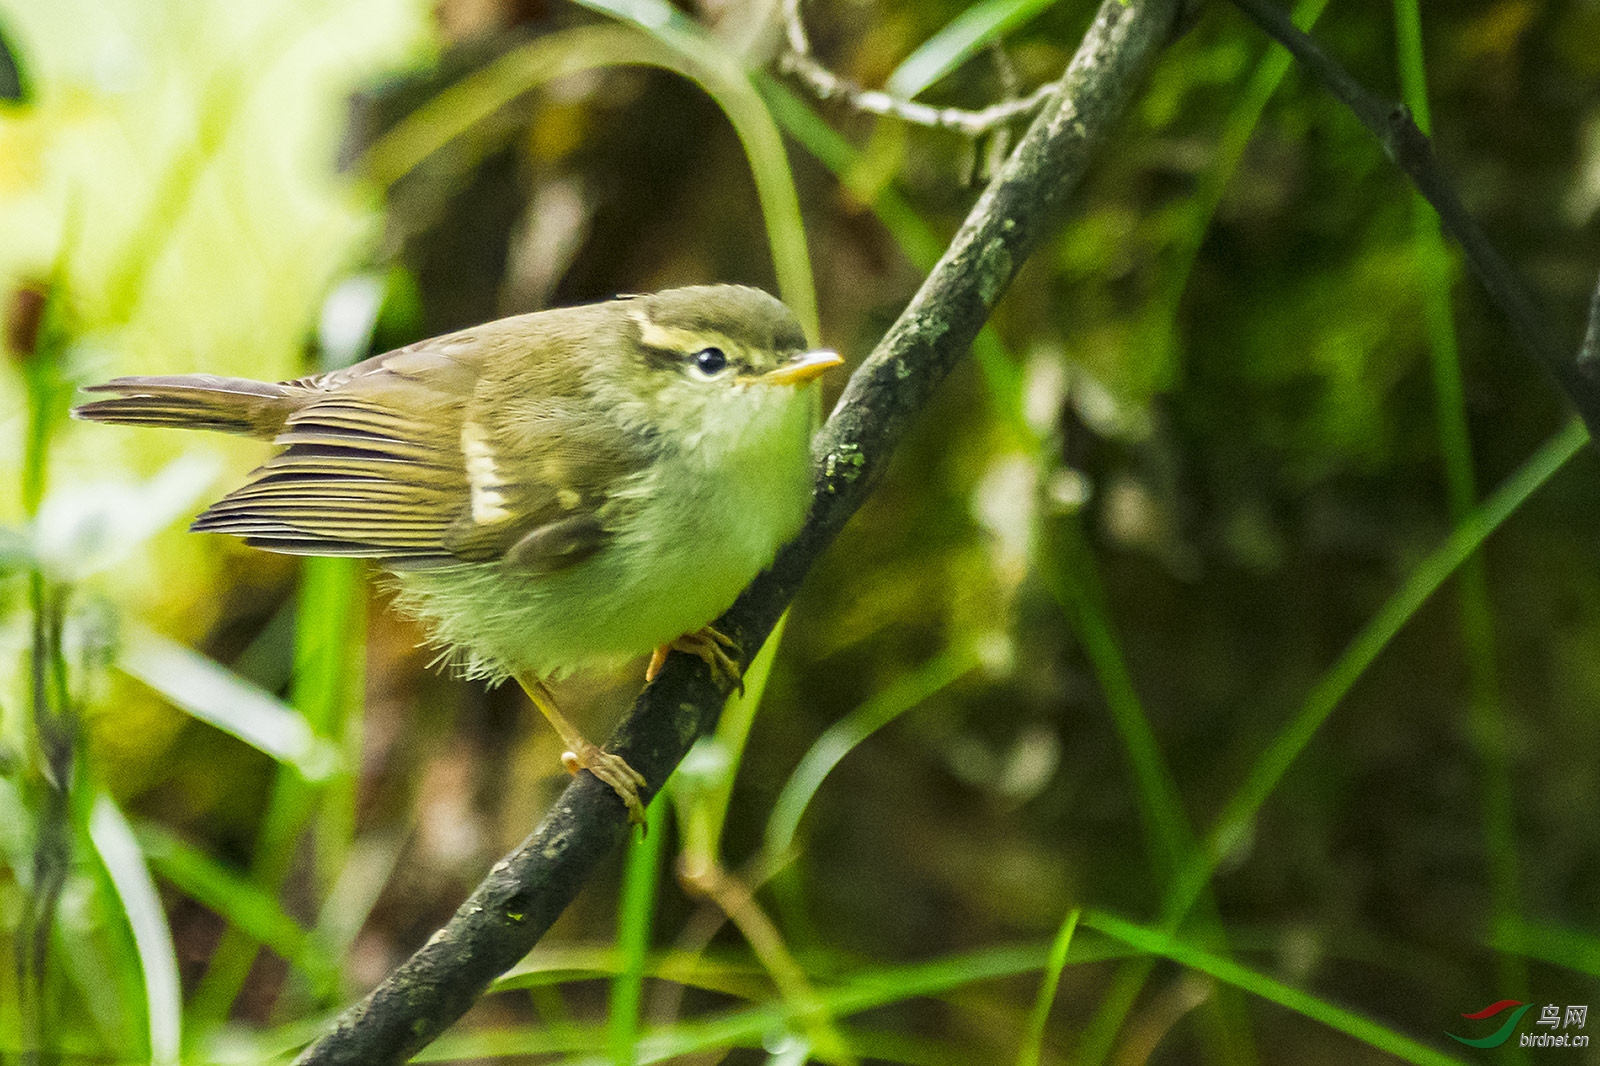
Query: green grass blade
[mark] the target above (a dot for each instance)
(920, 244)
(577, 1047)
(954, 45)
(1157, 942)
(878, 1045)
(461, 107)
(367, 869)
(1033, 1040)
(1413, 71)
(703, 807)
(639, 881)
(1421, 584)
(329, 688)
(114, 841)
(209, 691)
(1233, 824)
(557, 964)
(1558, 946)
(893, 700)
(866, 990)
(1070, 575)
(1067, 566)
(328, 663)
(1486, 710)
(92, 946)
(233, 896)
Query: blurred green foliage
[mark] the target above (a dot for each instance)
(1141, 623)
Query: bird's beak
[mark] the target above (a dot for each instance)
(802, 368)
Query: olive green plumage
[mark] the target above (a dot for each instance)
(552, 490)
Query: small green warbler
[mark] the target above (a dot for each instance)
(552, 491)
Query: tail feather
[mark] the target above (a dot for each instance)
(196, 401)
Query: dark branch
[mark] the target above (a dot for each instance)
(524, 892)
(1411, 150)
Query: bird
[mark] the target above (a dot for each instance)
(556, 491)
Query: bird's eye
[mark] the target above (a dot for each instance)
(710, 361)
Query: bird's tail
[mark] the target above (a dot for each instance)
(195, 401)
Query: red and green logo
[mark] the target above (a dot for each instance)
(1500, 1035)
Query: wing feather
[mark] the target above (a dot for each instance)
(404, 458)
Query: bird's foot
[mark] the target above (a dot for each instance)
(613, 770)
(709, 645)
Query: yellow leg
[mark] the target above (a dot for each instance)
(707, 644)
(614, 770)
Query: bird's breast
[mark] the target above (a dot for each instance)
(686, 535)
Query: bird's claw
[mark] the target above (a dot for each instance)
(612, 770)
(713, 648)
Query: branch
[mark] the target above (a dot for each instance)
(1411, 150)
(799, 60)
(525, 892)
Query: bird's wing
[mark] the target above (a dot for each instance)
(397, 459)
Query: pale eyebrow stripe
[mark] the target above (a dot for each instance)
(654, 335)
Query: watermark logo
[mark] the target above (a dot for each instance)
(1500, 1035)
(1551, 1017)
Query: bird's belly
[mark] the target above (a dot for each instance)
(670, 569)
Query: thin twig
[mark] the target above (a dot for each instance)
(800, 61)
(1411, 150)
(525, 892)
